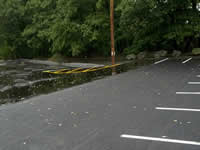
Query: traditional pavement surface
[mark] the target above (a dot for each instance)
(150, 108)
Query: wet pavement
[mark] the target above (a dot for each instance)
(115, 113)
(22, 79)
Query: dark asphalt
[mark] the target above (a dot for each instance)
(94, 115)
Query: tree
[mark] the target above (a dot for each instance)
(42, 28)
(11, 26)
(161, 24)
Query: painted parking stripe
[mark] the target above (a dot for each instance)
(193, 82)
(160, 139)
(158, 62)
(177, 109)
(187, 60)
(198, 76)
(188, 93)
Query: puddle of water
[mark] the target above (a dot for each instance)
(20, 80)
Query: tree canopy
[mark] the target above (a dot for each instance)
(34, 28)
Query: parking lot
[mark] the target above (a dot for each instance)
(184, 104)
(155, 107)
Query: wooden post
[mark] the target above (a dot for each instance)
(112, 31)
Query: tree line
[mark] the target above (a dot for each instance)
(42, 28)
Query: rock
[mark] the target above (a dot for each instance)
(157, 55)
(131, 57)
(20, 85)
(37, 70)
(10, 72)
(42, 62)
(2, 63)
(196, 51)
(19, 81)
(81, 65)
(22, 75)
(28, 69)
(1, 86)
(160, 54)
(176, 53)
(163, 53)
(6, 88)
(141, 55)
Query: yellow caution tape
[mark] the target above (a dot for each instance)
(62, 71)
(73, 71)
(80, 70)
(47, 71)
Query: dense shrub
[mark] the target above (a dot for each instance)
(42, 28)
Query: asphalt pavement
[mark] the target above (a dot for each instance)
(155, 107)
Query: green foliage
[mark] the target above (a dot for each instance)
(42, 28)
(196, 51)
(67, 27)
(153, 24)
(6, 51)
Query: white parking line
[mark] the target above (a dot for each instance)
(160, 139)
(188, 93)
(161, 61)
(193, 82)
(187, 60)
(177, 109)
(198, 76)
